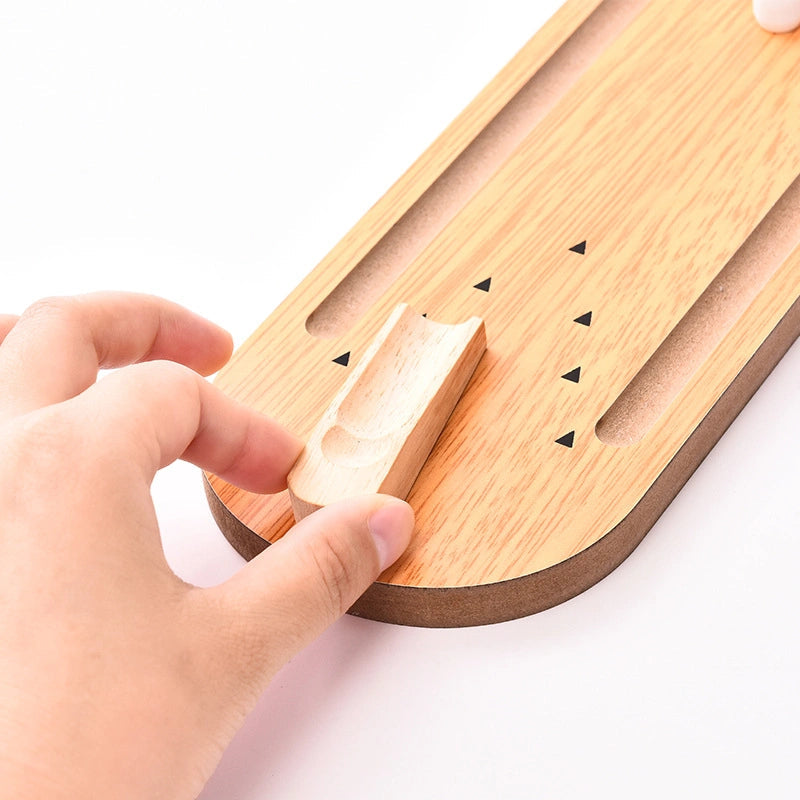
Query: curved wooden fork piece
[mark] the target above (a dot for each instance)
(377, 433)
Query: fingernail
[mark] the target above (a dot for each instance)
(391, 527)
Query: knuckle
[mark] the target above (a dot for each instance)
(64, 309)
(42, 444)
(62, 316)
(164, 378)
(160, 402)
(336, 567)
(181, 382)
(44, 430)
(178, 376)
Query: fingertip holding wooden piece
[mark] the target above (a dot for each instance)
(380, 428)
(777, 16)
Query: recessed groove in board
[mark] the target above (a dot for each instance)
(470, 170)
(704, 325)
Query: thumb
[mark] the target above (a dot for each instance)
(286, 596)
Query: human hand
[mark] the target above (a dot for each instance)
(117, 679)
(777, 16)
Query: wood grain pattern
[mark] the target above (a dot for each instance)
(538, 86)
(380, 428)
(660, 161)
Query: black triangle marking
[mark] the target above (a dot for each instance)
(584, 319)
(573, 375)
(567, 439)
(579, 248)
(425, 315)
(343, 359)
(483, 285)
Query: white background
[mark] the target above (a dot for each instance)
(213, 152)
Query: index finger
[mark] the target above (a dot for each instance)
(156, 413)
(55, 349)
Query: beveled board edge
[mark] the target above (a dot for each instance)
(451, 607)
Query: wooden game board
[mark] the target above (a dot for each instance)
(621, 206)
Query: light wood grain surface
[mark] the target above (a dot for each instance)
(659, 160)
(380, 428)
